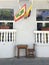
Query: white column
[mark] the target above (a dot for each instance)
(45, 38)
(39, 37)
(12, 36)
(7, 36)
(1, 37)
(42, 37)
(4, 37)
(48, 37)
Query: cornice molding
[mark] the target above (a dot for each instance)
(8, 0)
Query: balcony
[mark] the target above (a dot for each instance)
(42, 43)
(7, 43)
(42, 37)
(7, 35)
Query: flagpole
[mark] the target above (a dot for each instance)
(31, 1)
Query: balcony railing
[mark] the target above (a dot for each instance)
(41, 37)
(7, 35)
(42, 43)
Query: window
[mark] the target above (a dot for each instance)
(42, 26)
(4, 25)
(39, 26)
(42, 15)
(6, 14)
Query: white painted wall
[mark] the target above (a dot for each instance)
(25, 27)
(41, 49)
(7, 50)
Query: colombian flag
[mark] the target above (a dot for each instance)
(28, 12)
(20, 14)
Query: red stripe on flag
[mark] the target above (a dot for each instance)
(22, 15)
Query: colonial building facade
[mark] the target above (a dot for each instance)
(32, 30)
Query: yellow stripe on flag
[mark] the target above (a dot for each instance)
(27, 12)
